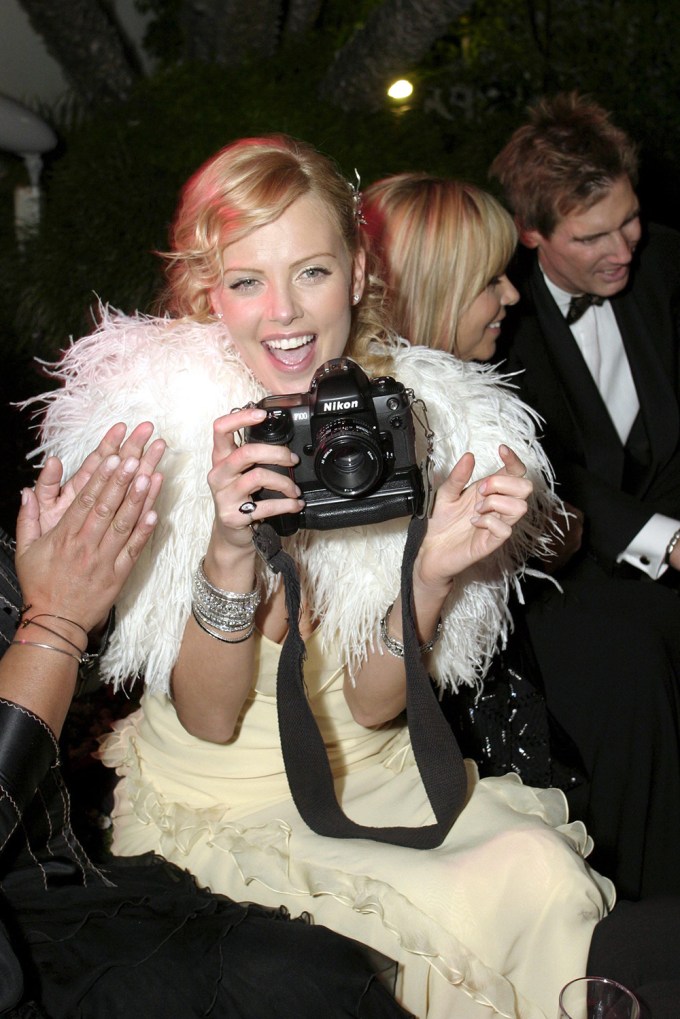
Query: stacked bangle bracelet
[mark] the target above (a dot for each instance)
(395, 647)
(219, 612)
(79, 655)
(218, 634)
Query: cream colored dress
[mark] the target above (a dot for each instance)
(493, 922)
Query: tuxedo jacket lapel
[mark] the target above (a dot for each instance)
(650, 354)
(590, 420)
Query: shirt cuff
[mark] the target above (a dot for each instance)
(647, 550)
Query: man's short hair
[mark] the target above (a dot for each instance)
(567, 156)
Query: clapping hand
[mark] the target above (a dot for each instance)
(54, 499)
(77, 542)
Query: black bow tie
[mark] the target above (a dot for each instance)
(579, 306)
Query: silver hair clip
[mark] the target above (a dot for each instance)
(357, 198)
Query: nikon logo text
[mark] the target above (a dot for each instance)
(331, 406)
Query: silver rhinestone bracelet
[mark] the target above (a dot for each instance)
(228, 611)
(218, 635)
(395, 647)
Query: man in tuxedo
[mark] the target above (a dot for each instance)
(595, 342)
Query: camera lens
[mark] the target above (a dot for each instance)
(348, 459)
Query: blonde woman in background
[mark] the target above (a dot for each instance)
(445, 246)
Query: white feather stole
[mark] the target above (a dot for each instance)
(181, 376)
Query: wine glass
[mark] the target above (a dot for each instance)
(597, 998)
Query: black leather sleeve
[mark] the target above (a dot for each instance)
(28, 749)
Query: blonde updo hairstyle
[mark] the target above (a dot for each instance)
(440, 243)
(247, 185)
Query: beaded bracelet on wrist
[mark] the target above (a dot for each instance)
(395, 647)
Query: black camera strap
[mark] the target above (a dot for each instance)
(435, 748)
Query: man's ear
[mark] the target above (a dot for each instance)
(529, 238)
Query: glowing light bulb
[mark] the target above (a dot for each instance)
(400, 89)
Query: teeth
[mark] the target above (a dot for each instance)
(290, 343)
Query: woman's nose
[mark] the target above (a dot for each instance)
(509, 294)
(283, 305)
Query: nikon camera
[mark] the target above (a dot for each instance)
(355, 437)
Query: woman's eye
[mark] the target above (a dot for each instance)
(494, 281)
(243, 284)
(313, 272)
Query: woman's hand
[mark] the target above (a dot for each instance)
(54, 499)
(238, 471)
(77, 543)
(470, 521)
(76, 546)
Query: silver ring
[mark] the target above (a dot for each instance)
(247, 508)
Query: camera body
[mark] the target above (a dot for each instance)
(355, 438)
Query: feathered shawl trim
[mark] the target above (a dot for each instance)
(182, 376)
